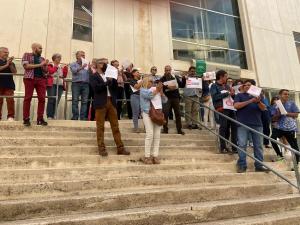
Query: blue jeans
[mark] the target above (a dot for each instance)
(243, 135)
(51, 105)
(82, 90)
(135, 105)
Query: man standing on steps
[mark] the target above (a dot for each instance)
(35, 77)
(7, 84)
(249, 112)
(171, 85)
(287, 124)
(219, 91)
(192, 96)
(105, 103)
(80, 86)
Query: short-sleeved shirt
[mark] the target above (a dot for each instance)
(249, 115)
(6, 81)
(287, 123)
(132, 83)
(38, 72)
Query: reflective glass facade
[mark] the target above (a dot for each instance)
(209, 30)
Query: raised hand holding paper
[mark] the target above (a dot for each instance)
(209, 76)
(281, 107)
(193, 82)
(85, 62)
(156, 100)
(111, 72)
(254, 91)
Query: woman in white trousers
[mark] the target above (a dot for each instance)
(149, 94)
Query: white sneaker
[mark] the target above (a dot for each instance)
(10, 119)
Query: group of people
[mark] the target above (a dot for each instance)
(254, 112)
(102, 99)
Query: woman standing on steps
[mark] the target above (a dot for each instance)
(149, 94)
(135, 85)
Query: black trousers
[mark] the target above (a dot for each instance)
(127, 96)
(120, 98)
(90, 104)
(290, 136)
(173, 103)
(266, 126)
(227, 128)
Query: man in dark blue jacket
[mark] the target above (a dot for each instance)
(105, 104)
(219, 91)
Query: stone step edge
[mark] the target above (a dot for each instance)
(140, 191)
(116, 166)
(145, 211)
(163, 175)
(278, 218)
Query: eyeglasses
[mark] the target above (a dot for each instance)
(154, 69)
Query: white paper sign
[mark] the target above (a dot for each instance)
(170, 83)
(111, 72)
(156, 100)
(85, 61)
(209, 76)
(236, 89)
(228, 103)
(193, 82)
(254, 91)
(281, 107)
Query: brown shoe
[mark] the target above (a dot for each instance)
(123, 151)
(148, 160)
(103, 152)
(156, 160)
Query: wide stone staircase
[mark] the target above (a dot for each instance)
(53, 175)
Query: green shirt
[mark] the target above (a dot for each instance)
(38, 72)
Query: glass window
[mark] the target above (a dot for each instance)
(223, 6)
(82, 21)
(212, 36)
(195, 3)
(297, 42)
(186, 23)
(296, 36)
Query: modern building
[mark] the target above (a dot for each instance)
(257, 39)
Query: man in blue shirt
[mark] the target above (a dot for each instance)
(80, 86)
(249, 113)
(287, 124)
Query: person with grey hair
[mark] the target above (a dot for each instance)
(55, 84)
(80, 86)
(7, 84)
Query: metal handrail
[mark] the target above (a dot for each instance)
(296, 170)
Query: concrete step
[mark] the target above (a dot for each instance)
(119, 170)
(176, 142)
(88, 134)
(135, 198)
(291, 217)
(68, 125)
(94, 172)
(70, 187)
(176, 214)
(23, 151)
(94, 160)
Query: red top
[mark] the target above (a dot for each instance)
(52, 69)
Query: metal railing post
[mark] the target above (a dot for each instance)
(293, 151)
(56, 97)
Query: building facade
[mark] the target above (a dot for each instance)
(249, 38)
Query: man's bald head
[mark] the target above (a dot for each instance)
(37, 48)
(168, 70)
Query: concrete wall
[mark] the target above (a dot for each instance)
(140, 30)
(271, 24)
